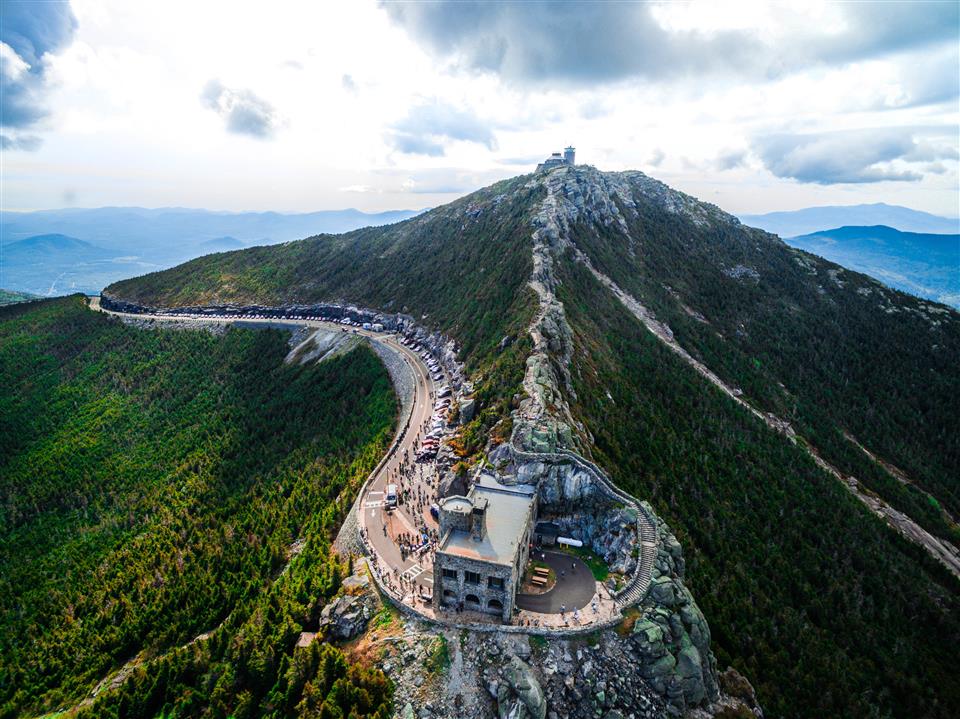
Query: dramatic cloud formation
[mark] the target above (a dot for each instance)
(751, 104)
(427, 127)
(581, 43)
(855, 156)
(244, 112)
(730, 159)
(29, 31)
(564, 42)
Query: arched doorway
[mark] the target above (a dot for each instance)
(472, 601)
(495, 604)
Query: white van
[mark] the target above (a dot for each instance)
(391, 496)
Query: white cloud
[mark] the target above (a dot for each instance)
(357, 108)
(243, 112)
(12, 66)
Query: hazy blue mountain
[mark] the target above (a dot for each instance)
(54, 264)
(222, 244)
(40, 248)
(8, 297)
(43, 255)
(814, 219)
(168, 231)
(923, 264)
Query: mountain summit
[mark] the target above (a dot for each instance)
(792, 420)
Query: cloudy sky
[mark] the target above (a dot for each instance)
(303, 106)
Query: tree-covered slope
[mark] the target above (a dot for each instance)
(152, 484)
(835, 353)
(461, 268)
(823, 607)
(806, 591)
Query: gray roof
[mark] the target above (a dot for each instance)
(508, 510)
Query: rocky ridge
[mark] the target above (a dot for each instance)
(673, 649)
(591, 195)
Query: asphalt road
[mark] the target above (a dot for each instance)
(574, 588)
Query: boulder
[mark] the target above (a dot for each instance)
(355, 583)
(672, 639)
(521, 697)
(468, 408)
(345, 617)
(663, 592)
(452, 484)
(735, 685)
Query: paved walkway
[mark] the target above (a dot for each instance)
(574, 589)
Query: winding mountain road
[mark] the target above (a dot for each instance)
(372, 514)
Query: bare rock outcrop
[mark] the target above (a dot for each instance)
(672, 637)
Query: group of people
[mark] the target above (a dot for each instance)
(415, 492)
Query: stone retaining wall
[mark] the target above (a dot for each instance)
(635, 589)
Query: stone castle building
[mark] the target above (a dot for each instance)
(484, 546)
(556, 159)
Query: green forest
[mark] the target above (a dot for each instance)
(153, 484)
(824, 608)
(832, 351)
(827, 610)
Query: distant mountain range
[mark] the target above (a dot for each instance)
(926, 265)
(814, 219)
(54, 264)
(222, 244)
(57, 251)
(136, 230)
(46, 248)
(8, 297)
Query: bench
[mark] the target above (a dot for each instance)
(540, 571)
(539, 581)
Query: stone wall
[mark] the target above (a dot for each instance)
(460, 589)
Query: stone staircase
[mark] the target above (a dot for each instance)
(637, 588)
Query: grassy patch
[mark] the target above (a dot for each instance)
(385, 618)
(538, 643)
(599, 567)
(630, 617)
(438, 661)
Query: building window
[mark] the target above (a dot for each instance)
(449, 573)
(495, 582)
(471, 578)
